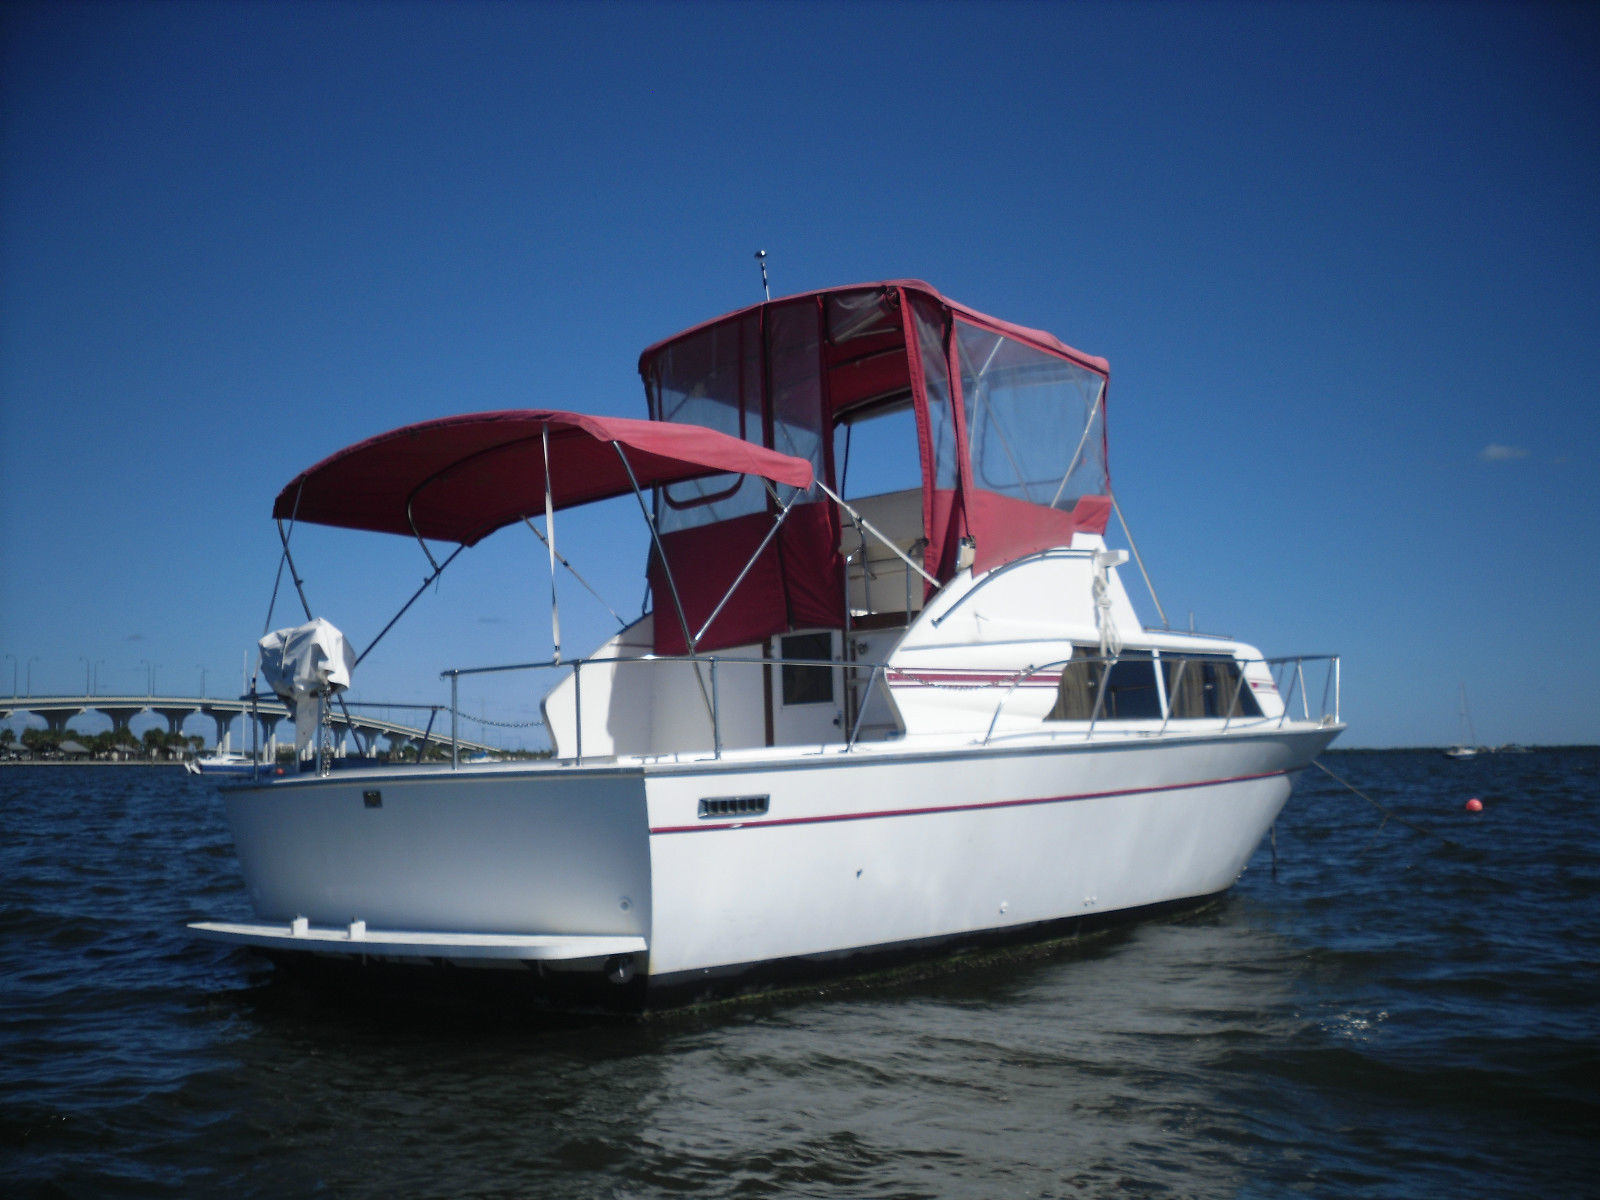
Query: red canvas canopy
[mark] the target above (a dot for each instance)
(1009, 436)
(460, 478)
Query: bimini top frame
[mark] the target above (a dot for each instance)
(461, 478)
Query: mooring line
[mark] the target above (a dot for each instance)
(1388, 813)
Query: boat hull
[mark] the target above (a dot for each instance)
(668, 881)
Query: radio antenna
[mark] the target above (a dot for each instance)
(761, 257)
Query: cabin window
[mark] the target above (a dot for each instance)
(1130, 688)
(1034, 423)
(1207, 686)
(805, 684)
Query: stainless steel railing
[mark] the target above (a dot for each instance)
(1288, 672)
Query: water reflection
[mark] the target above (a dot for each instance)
(1075, 1072)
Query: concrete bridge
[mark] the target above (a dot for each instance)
(58, 710)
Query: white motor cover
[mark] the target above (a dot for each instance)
(302, 664)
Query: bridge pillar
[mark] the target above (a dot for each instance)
(56, 719)
(223, 718)
(120, 715)
(175, 717)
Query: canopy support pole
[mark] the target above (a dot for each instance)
(875, 532)
(283, 536)
(573, 571)
(294, 576)
(783, 514)
(299, 587)
(666, 569)
(550, 526)
(1150, 587)
(438, 570)
(1083, 441)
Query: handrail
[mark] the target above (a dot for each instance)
(1016, 678)
(1184, 659)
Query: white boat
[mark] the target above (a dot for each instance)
(862, 724)
(221, 763)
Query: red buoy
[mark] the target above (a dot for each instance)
(1474, 805)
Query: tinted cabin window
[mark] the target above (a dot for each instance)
(802, 684)
(1207, 687)
(1130, 688)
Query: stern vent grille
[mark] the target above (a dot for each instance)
(733, 806)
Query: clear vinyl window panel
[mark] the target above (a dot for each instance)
(714, 380)
(1035, 421)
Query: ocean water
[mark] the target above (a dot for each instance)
(1407, 1006)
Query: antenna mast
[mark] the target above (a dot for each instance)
(761, 257)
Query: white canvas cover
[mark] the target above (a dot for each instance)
(303, 663)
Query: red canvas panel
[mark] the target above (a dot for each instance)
(1092, 513)
(795, 584)
(813, 568)
(1006, 529)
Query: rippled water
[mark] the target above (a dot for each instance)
(1408, 1010)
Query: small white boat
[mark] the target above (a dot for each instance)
(222, 762)
(862, 723)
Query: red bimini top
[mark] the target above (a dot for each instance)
(458, 479)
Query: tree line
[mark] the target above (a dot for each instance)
(47, 742)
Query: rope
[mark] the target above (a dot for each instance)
(1388, 813)
(501, 724)
(1110, 638)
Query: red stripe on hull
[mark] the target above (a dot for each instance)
(954, 808)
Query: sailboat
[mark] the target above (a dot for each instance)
(1469, 748)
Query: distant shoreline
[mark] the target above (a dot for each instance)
(1331, 751)
(87, 762)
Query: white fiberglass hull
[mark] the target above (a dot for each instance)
(612, 870)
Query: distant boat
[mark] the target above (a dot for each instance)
(1469, 748)
(221, 763)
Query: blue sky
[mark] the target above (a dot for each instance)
(1344, 260)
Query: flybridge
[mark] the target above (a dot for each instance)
(1007, 431)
